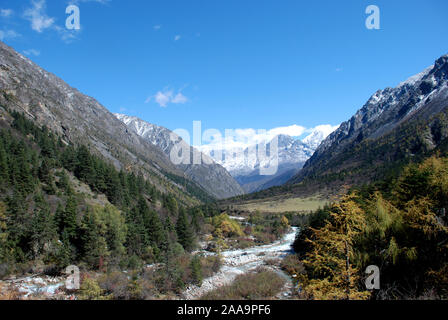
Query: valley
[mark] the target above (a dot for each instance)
(85, 187)
(282, 204)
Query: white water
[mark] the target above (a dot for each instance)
(236, 262)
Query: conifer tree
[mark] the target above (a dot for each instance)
(42, 226)
(85, 166)
(4, 169)
(3, 231)
(67, 219)
(137, 237)
(95, 249)
(196, 270)
(18, 222)
(333, 275)
(184, 232)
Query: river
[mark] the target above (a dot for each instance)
(236, 262)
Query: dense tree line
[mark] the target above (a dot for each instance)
(43, 218)
(400, 226)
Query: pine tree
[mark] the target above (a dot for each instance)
(154, 227)
(94, 245)
(3, 232)
(113, 190)
(137, 237)
(332, 275)
(69, 158)
(196, 270)
(124, 188)
(18, 224)
(64, 183)
(4, 169)
(115, 228)
(184, 232)
(46, 176)
(196, 217)
(170, 203)
(67, 221)
(85, 166)
(20, 171)
(42, 227)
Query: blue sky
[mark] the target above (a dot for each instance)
(229, 63)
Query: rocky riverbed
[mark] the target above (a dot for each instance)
(236, 262)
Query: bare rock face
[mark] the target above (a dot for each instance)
(386, 128)
(80, 119)
(209, 175)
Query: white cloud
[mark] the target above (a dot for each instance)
(6, 12)
(163, 98)
(240, 139)
(37, 16)
(177, 37)
(8, 34)
(66, 35)
(40, 21)
(31, 52)
(179, 98)
(293, 131)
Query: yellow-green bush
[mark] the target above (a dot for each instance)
(226, 227)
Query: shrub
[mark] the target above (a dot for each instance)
(210, 265)
(226, 227)
(292, 265)
(115, 284)
(260, 285)
(90, 290)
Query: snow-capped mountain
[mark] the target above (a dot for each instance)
(394, 124)
(317, 135)
(81, 120)
(244, 164)
(210, 175)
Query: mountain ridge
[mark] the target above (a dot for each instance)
(78, 118)
(210, 175)
(417, 101)
(244, 166)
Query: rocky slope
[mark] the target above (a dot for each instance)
(245, 164)
(49, 101)
(208, 174)
(394, 126)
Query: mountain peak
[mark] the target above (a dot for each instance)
(418, 99)
(211, 176)
(415, 78)
(443, 60)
